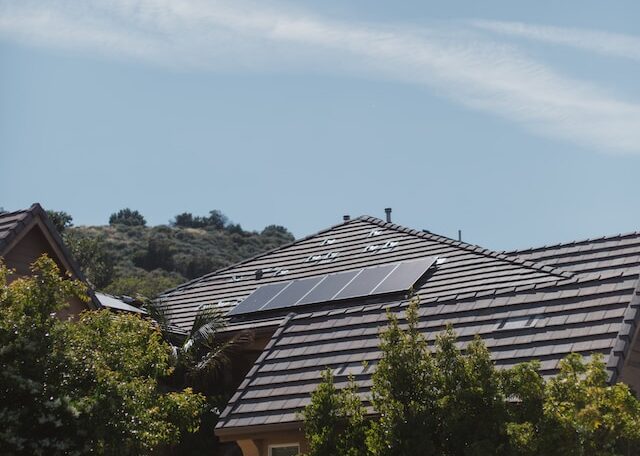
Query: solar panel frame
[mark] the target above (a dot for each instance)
(261, 296)
(329, 287)
(290, 295)
(355, 283)
(404, 276)
(364, 283)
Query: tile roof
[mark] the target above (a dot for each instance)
(618, 252)
(365, 241)
(584, 314)
(538, 303)
(12, 223)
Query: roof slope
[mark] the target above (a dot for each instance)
(618, 252)
(584, 314)
(361, 242)
(11, 224)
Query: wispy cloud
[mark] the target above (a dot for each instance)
(605, 43)
(454, 62)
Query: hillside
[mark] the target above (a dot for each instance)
(131, 259)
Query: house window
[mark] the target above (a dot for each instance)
(286, 449)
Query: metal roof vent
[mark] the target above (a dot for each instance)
(387, 211)
(327, 241)
(373, 233)
(518, 322)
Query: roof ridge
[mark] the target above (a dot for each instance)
(570, 243)
(12, 229)
(470, 247)
(370, 219)
(625, 337)
(8, 213)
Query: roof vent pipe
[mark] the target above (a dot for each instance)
(387, 211)
(346, 218)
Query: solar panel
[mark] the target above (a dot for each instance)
(259, 298)
(356, 283)
(329, 287)
(366, 281)
(292, 294)
(404, 276)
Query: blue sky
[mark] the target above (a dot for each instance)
(517, 123)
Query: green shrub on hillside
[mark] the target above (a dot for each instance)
(123, 255)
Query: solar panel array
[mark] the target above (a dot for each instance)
(355, 283)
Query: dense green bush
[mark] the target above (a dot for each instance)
(82, 386)
(144, 284)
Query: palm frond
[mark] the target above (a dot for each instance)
(218, 352)
(158, 312)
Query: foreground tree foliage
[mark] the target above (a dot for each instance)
(82, 386)
(335, 420)
(203, 362)
(448, 402)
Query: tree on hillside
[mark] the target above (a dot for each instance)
(127, 217)
(276, 230)
(144, 285)
(158, 255)
(61, 220)
(93, 257)
(215, 219)
(82, 386)
(183, 220)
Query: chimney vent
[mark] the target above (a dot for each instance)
(387, 211)
(346, 218)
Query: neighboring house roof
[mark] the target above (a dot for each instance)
(361, 242)
(618, 252)
(118, 304)
(14, 226)
(522, 310)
